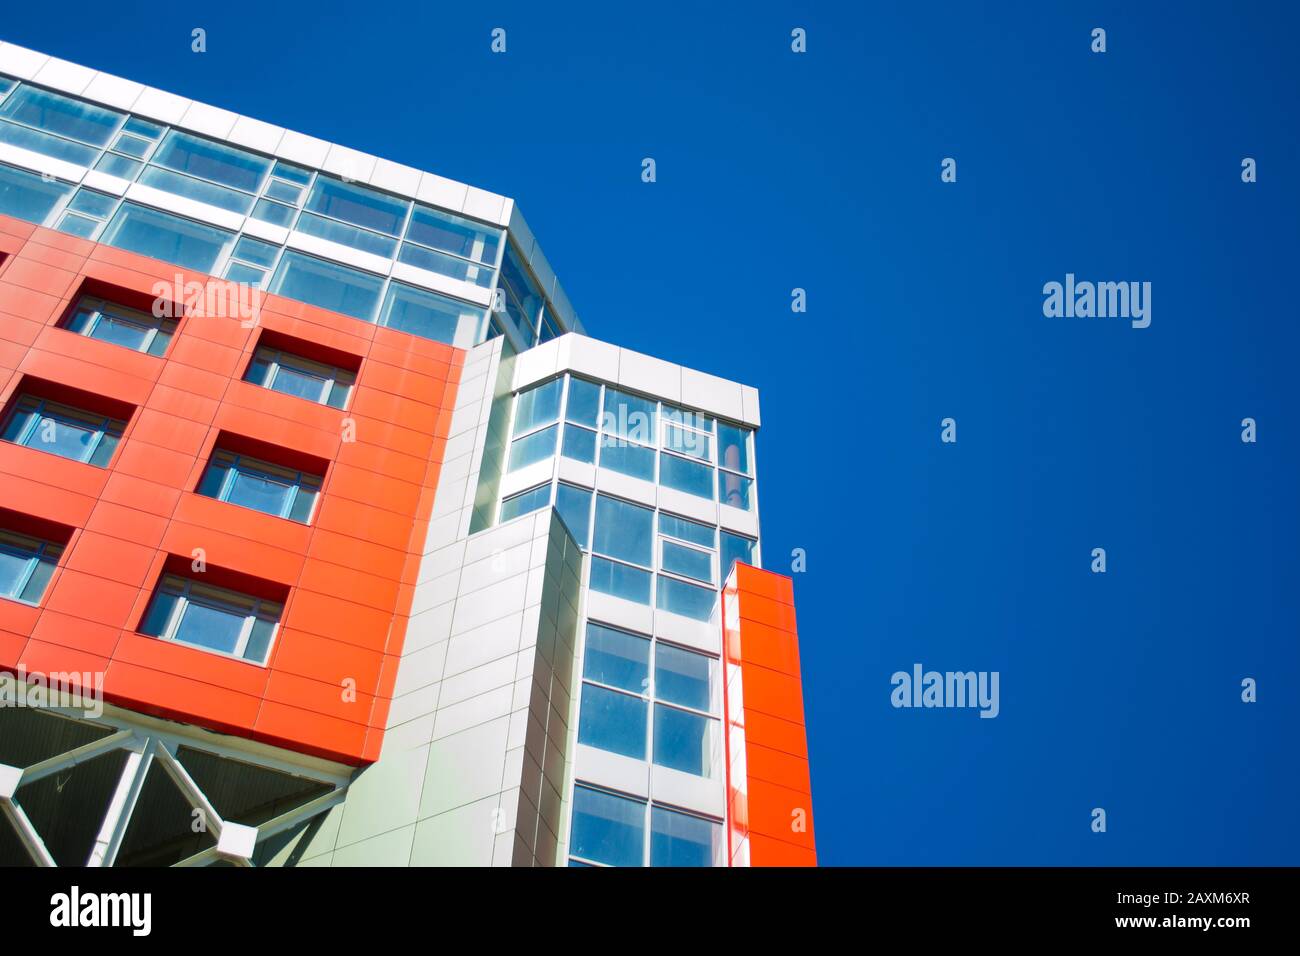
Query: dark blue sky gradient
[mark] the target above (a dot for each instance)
(822, 171)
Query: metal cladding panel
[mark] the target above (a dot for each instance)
(347, 578)
(769, 788)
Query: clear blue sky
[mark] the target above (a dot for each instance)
(821, 171)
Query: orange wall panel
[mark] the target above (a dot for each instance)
(347, 605)
(769, 786)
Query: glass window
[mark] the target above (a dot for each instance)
(26, 566)
(160, 235)
(256, 251)
(574, 505)
(628, 416)
(285, 192)
(735, 548)
(688, 562)
(215, 162)
(680, 839)
(26, 196)
(294, 174)
(525, 502)
(92, 203)
(76, 225)
(245, 274)
(613, 721)
(692, 531)
(295, 375)
(119, 166)
(523, 298)
(733, 448)
(584, 403)
(277, 214)
(41, 142)
(532, 448)
(327, 285)
(735, 490)
(130, 328)
(196, 189)
(346, 235)
(212, 618)
(687, 441)
(684, 741)
(620, 580)
(692, 477)
(63, 430)
(685, 599)
(260, 485)
(685, 677)
(626, 458)
(579, 444)
(428, 314)
(623, 530)
(132, 145)
(142, 127)
(444, 265)
(61, 115)
(448, 233)
(607, 828)
(357, 205)
(617, 658)
(539, 405)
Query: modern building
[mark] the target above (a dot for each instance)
(328, 537)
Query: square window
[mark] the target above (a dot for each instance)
(116, 324)
(260, 485)
(26, 566)
(63, 430)
(212, 618)
(284, 371)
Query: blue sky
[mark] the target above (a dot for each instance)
(821, 171)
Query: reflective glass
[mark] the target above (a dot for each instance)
(346, 235)
(684, 741)
(620, 580)
(532, 448)
(735, 490)
(687, 562)
(26, 196)
(685, 599)
(574, 506)
(692, 477)
(196, 189)
(613, 721)
(428, 314)
(629, 416)
(539, 405)
(62, 115)
(680, 839)
(357, 205)
(623, 530)
(607, 829)
(684, 677)
(213, 161)
(735, 548)
(692, 531)
(326, 284)
(119, 166)
(525, 502)
(584, 402)
(440, 230)
(733, 448)
(617, 658)
(166, 237)
(626, 458)
(579, 444)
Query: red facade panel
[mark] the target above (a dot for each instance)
(769, 789)
(326, 686)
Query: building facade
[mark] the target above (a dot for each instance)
(328, 537)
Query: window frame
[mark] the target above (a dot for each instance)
(108, 426)
(240, 464)
(33, 550)
(100, 307)
(213, 597)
